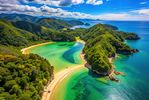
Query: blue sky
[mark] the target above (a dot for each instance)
(93, 9)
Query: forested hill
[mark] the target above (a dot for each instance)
(21, 33)
(22, 77)
(103, 41)
(19, 17)
(53, 23)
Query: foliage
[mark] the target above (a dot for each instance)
(41, 31)
(103, 42)
(10, 35)
(53, 23)
(18, 17)
(23, 76)
(74, 22)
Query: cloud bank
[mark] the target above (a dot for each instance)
(64, 2)
(95, 2)
(14, 6)
(42, 11)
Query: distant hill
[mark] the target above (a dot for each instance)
(74, 22)
(19, 17)
(40, 31)
(10, 35)
(53, 23)
(21, 33)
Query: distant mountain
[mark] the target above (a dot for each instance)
(21, 33)
(84, 20)
(53, 23)
(19, 17)
(41, 31)
(74, 22)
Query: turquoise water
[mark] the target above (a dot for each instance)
(80, 85)
(61, 55)
(133, 86)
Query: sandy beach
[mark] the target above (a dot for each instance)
(26, 50)
(58, 77)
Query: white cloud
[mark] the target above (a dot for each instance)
(42, 11)
(55, 2)
(15, 7)
(19, 8)
(70, 2)
(64, 2)
(94, 2)
(123, 16)
(142, 3)
(114, 16)
(9, 1)
(141, 11)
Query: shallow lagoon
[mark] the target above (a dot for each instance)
(81, 86)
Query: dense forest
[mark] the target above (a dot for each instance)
(102, 42)
(23, 77)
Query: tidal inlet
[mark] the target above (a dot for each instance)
(74, 50)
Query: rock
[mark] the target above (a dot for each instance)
(114, 79)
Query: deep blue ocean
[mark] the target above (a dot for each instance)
(136, 66)
(133, 86)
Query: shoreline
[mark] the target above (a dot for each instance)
(114, 72)
(60, 76)
(25, 50)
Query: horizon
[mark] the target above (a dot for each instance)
(74, 49)
(76, 18)
(114, 10)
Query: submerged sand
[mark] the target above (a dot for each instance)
(59, 76)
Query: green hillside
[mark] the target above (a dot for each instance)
(40, 31)
(103, 42)
(53, 23)
(22, 77)
(10, 35)
(74, 22)
(18, 17)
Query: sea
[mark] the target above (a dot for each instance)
(133, 86)
(81, 85)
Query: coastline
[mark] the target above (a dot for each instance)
(58, 77)
(114, 72)
(25, 50)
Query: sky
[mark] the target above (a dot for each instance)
(82, 9)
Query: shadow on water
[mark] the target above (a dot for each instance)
(99, 78)
(69, 54)
(94, 75)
